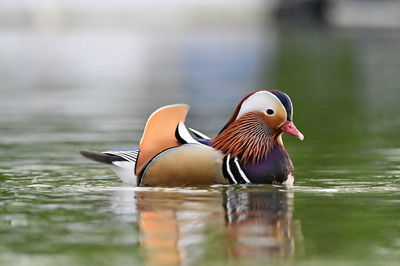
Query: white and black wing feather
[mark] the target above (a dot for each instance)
(198, 134)
(182, 134)
(128, 155)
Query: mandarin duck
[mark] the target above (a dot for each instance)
(248, 149)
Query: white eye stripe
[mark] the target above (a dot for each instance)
(260, 101)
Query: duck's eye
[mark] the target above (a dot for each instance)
(270, 112)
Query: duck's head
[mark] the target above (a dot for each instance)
(256, 124)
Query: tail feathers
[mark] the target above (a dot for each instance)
(101, 157)
(123, 163)
(125, 170)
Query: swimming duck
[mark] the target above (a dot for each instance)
(248, 149)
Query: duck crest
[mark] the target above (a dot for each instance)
(247, 138)
(236, 112)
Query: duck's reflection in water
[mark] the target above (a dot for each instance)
(260, 222)
(188, 226)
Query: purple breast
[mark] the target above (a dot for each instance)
(275, 168)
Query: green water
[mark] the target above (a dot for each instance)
(59, 95)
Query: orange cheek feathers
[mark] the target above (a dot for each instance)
(275, 121)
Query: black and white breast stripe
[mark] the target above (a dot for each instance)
(233, 171)
(130, 155)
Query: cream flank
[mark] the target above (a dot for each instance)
(185, 165)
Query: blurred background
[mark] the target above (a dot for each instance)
(104, 66)
(87, 74)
